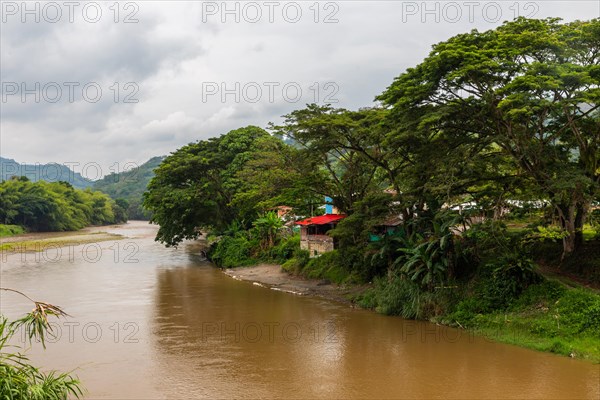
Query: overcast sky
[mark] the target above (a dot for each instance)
(171, 73)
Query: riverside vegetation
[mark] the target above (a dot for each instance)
(488, 151)
(54, 207)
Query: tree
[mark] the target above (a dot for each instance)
(276, 174)
(53, 206)
(267, 226)
(195, 186)
(339, 147)
(530, 89)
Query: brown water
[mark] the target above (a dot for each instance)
(172, 326)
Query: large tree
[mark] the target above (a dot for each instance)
(197, 187)
(342, 149)
(530, 89)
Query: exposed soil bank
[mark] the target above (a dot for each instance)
(272, 277)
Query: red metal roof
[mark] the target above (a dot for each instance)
(321, 220)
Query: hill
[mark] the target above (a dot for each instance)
(130, 185)
(51, 172)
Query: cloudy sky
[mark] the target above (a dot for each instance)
(110, 84)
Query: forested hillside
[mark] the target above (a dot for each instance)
(130, 186)
(51, 172)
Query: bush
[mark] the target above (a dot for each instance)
(284, 250)
(327, 266)
(465, 312)
(295, 264)
(10, 230)
(543, 295)
(367, 299)
(579, 313)
(232, 252)
(400, 296)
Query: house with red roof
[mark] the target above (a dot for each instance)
(313, 233)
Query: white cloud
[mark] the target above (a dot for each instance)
(175, 52)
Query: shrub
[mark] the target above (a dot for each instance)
(232, 252)
(579, 312)
(544, 294)
(400, 296)
(10, 230)
(284, 250)
(465, 312)
(295, 264)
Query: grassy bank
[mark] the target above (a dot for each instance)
(10, 230)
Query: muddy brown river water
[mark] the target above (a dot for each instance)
(150, 322)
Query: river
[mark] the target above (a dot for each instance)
(150, 322)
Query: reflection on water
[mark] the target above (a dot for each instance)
(172, 326)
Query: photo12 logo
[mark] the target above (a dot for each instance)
(120, 252)
(254, 92)
(66, 172)
(467, 11)
(270, 331)
(253, 12)
(88, 332)
(71, 92)
(53, 12)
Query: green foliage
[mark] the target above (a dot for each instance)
(130, 186)
(18, 378)
(337, 147)
(230, 252)
(546, 316)
(266, 228)
(329, 266)
(398, 295)
(295, 264)
(238, 247)
(578, 312)
(10, 230)
(526, 91)
(287, 248)
(194, 188)
(429, 256)
(43, 206)
(552, 233)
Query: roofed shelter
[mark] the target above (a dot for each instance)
(313, 233)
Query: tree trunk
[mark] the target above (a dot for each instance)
(580, 217)
(566, 216)
(572, 218)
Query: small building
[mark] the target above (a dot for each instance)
(313, 233)
(389, 226)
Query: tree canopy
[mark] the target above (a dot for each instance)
(528, 89)
(55, 206)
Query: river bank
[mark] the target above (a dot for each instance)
(534, 322)
(273, 277)
(43, 241)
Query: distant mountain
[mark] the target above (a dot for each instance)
(51, 172)
(130, 185)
